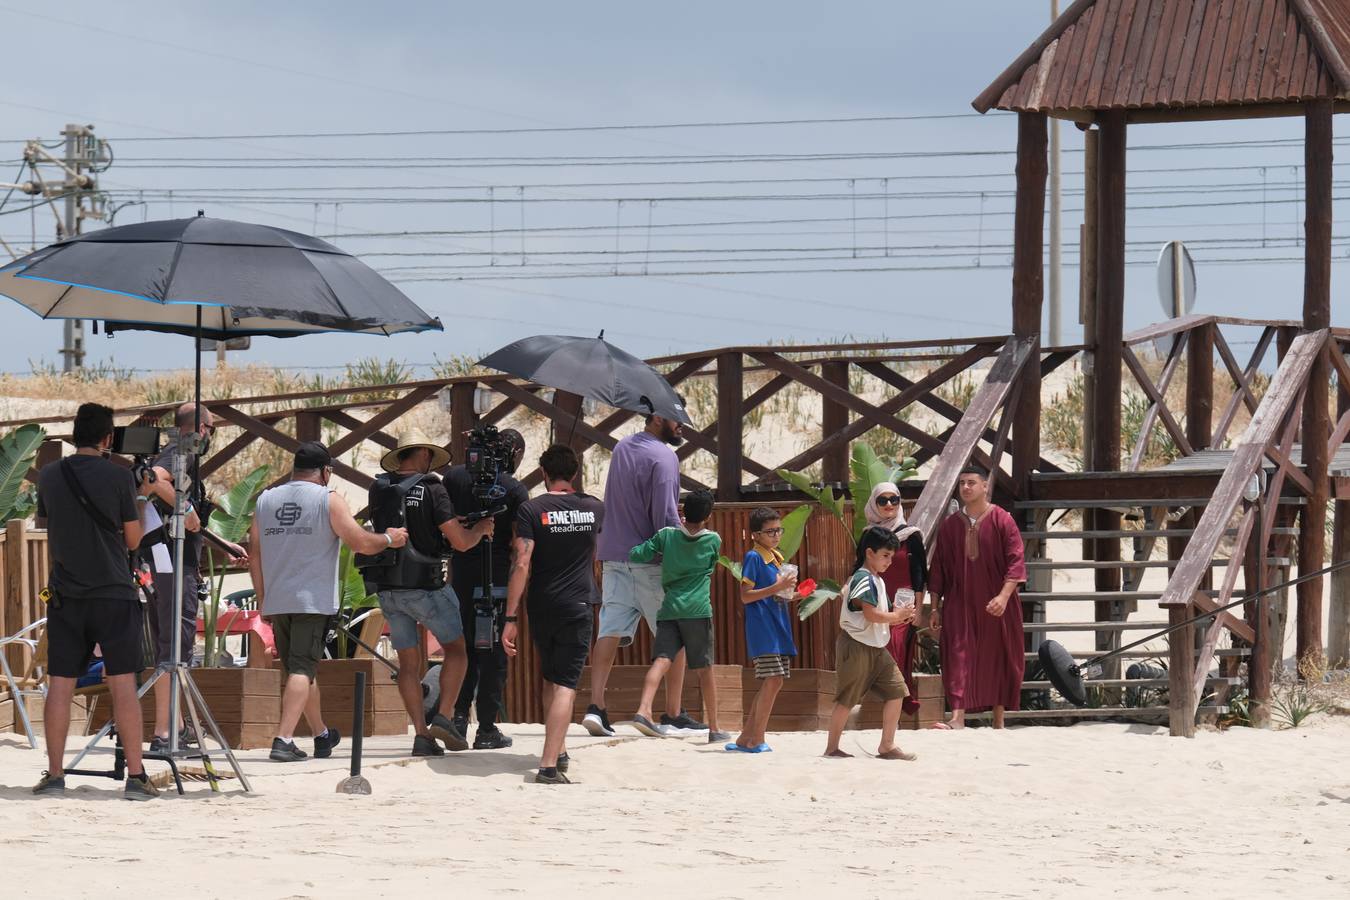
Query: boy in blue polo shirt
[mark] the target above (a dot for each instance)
(768, 630)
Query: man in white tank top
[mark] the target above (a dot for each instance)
(297, 530)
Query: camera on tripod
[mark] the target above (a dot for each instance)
(140, 442)
(489, 456)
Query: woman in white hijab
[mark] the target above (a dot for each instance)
(905, 579)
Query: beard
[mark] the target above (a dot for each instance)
(671, 434)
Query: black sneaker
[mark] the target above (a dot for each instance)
(683, 723)
(140, 787)
(425, 745)
(558, 778)
(51, 785)
(286, 751)
(159, 744)
(491, 740)
(596, 722)
(186, 738)
(443, 730)
(564, 762)
(461, 723)
(324, 743)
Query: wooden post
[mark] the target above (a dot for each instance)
(730, 425)
(462, 418)
(1259, 616)
(18, 589)
(833, 419)
(1180, 673)
(1200, 386)
(1338, 633)
(1088, 311)
(563, 434)
(308, 426)
(1317, 150)
(1028, 291)
(48, 452)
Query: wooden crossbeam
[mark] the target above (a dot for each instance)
(1159, 406)
(1276, 484)
(1342, 368)
(225, 454)
(352, 423)
(377, 422)
(1204, 658)
(932, 503)
(286, 442)
(1165, 381)
(1241, 379)
(1288, 383)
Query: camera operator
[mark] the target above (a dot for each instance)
(296, 532)
(413, 591)
(188, 416)
(487, 668)
(93, 521)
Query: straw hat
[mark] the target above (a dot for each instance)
(439, 456)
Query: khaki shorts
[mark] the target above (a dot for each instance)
(299, 640)
(860, 668)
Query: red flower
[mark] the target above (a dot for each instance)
(806, 588)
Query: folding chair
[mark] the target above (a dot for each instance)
(32, 683)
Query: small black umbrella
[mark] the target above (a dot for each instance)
(209, 277)
(591, 367)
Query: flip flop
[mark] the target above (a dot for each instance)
(897, 753)
(737, 748)
(838, 754)
(941, 726)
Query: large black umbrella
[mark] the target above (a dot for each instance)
(591, 367)
(211, 277)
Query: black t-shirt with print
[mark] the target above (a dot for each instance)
(564, 528)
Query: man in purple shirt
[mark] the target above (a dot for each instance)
(642, 496)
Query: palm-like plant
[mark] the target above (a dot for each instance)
(353, 596)
(18, 450)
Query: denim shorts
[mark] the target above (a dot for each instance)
(437, 609)
(629, 591)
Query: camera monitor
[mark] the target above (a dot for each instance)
(136, 440)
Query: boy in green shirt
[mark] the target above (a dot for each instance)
(688, 556)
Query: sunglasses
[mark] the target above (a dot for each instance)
(771, 532)
(888, 501)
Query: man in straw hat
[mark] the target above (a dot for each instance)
(412, 587)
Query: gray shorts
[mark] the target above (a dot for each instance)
(161, 614)
(629, 592)
(438, 610)
(693, 636)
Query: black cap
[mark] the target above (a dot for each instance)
(312, 455)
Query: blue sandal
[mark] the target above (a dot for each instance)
(737, 748)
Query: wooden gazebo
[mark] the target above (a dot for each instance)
(1107, 64)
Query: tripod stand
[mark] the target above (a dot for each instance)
(182, 689)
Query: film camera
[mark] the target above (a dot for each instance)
(140, 442)
(489, 456)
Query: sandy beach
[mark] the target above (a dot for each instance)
(1095, 809)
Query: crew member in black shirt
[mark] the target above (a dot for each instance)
(93, 522)
(487, 669)
(554, 553)
(413, 592)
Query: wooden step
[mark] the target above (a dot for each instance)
(1123, 533)
(1101, 712)
(1242, 652)
(1042, 564)
(1130, 682)
(1096, 596)
(1094, 626)
(1133, 503)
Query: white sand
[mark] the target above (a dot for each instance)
(1092, 810)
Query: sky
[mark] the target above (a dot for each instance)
(870, 230)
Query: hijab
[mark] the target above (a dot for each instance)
(892, 517)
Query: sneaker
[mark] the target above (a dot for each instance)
(443, 730)
(644, 725)
(51, 784)
(683, 723)
(324, 743)
(596, 722)
(718, 737)
(425, 745)
(139, 787)
(564, 762)
(559, 778)
(286, 751)
(491, 740)
(159, 744)
(461, 723)
(186, 738)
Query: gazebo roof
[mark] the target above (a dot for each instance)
(1181, 59)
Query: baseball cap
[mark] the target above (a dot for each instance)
(312, 455)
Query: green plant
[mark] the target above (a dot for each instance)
(1062, 420)
(867, 470)
(231, 520)
(1294, 697)
(959, 391)
(353, 597)
(18, 449)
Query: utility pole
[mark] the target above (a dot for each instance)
(1056, 332)
(83, 157)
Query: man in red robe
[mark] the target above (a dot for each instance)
(973, 580)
